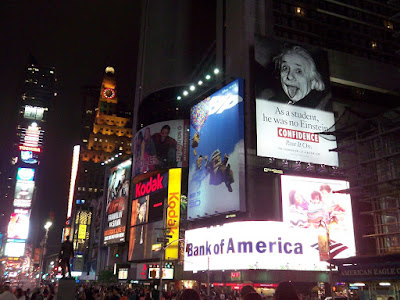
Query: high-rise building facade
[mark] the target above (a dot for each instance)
(105, 136)
(37, 99)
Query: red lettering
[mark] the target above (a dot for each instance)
(153, 185)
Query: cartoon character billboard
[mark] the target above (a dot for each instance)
(161, 145)
(216, 159)
(117, 203)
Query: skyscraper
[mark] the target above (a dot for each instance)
(105, 136)
(37, 99)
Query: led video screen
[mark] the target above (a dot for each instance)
(14, 248)
(141, 239)
(18, 226)
(25, 174)
(314, 204)
(216, 153)
(117, 203)
(161, 145)
(24, 190)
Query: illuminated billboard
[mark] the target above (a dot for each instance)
(29, 157)
(18, 226)
(173, 213)
(161, 145)
(288, 132)
(14, 248)
(24, 190)
(216, 169)
(31, 137)
(148, 208)
(247, 245)
(25, 174)
(154, 272)
(293, 102)
(141, 239)
(292, 74)
(34, 112)
(312, 205)
(117, 203)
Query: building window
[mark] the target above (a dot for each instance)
(299, 11)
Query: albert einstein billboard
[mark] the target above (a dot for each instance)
(252, 245)
(293, 103)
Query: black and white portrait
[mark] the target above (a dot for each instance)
(291, 74)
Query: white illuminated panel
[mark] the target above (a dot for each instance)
(25, 174)
(307, 201)
(18, 226)
(74, 171)
(34, 112)
(291, 132)
(31, 137)
(22, 203)
(253, 245)
(168, 273)
(123, 273)
(15, 248)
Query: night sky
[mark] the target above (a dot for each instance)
(80, 39)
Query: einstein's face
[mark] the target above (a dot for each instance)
(295, 76)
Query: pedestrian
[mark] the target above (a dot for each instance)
(252, 296)
(286, 291)
(7, 295)
(245, 290)
(66, 253)
(189, 294)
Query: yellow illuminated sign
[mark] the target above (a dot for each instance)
(173, 212)
(82, 232)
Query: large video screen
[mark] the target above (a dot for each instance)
(216, 160)
(18, 226)
(141, 239)
(14, 248)
(24, 190)
(258, 245)
(314, 204)
(117, 203)
(161, 145)
(293, 103)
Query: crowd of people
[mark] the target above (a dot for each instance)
(284, 291)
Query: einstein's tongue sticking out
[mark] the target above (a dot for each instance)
(292, 91)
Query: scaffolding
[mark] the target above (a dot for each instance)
(369, 155)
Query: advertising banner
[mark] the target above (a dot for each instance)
(289, 132)
(14, 248)
(168, 273)
(117, 203)
(141, 239)
(31, 137)
(253, 245)
(293, 99)
(173, 213)
(25, 174)
(18, 227)
(312, 205)
(24, 190)
(292, 74)
(217, 153)
(161, 145)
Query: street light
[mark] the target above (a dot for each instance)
(322, 245)
(43, 244)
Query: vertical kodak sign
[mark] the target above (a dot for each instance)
(173, 212)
